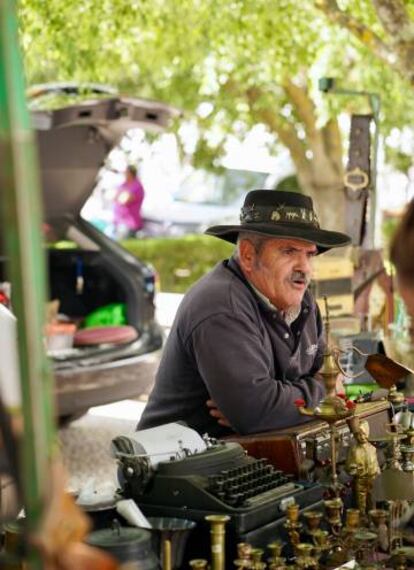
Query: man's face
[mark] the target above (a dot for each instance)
(281, 270)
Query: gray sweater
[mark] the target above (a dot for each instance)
(228, 345)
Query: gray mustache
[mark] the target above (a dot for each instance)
(300, 275)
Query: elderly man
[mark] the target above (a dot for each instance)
(247, 337)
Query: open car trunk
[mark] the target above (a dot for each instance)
(73, 143)
(104, 274)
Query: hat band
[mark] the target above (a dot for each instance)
(268, 214)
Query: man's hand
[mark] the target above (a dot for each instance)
(215, 412)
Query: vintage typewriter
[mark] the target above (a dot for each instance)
(219, 477)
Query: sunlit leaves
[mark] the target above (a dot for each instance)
(213, 52)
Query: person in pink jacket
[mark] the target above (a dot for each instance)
(127, 206)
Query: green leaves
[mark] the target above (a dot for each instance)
(237, 56)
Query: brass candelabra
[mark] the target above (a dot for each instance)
(333, 407)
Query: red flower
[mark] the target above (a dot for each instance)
(342, 395)
(299, 403)
(350, 404)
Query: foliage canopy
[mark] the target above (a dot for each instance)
(230, 65)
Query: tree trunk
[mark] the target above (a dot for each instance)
(317, 156)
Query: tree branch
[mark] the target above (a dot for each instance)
(397, 23)
(285, 132)
(369, 38)
(333, 144)
(304, 105)
(317, 142)
(395, 19)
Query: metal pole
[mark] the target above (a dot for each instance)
(20, 230)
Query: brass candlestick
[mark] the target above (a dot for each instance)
(292, 524)
(276, 560)
(243, 564)
(292, 512)
(166, 553)
(321, 540)
(217, 535)
(304, 558)
(334, 509)
(244, 555)
(409, 436)
(198, 564)
(320, 537)
(365, 543)
(393, 445)
(379, 519)
(399, 560)
(408, 457)
(244, 550)
(352, 519)
(257, 563)
(332, 408)
(313, 520)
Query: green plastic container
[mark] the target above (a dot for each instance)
(108, 315)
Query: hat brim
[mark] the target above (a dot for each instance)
(323, 239)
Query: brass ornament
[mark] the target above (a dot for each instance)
(356, 179)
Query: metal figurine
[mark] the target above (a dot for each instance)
(217, 534)
(362, 464)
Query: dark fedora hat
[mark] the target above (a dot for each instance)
(280, 214)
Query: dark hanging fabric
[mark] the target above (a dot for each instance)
(357, 179)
